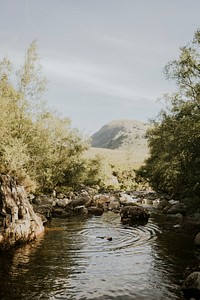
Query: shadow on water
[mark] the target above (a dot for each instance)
(173, 252)
(33, 271)
(69, 262)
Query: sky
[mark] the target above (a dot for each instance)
(103, 59)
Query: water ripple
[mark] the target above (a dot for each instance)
(123, 236)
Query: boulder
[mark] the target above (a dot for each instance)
(114, 206)
(97, 211)
(80, 200)
(125, 199)
(44, 210)
(134, 215)
(80, 210)
(61, 213)
(163, 204)
(178, 208)
(102, 201)
(42, 200)
(191, 286)
(178, 217)
(18, 222)
(197, 240)
(63, 202)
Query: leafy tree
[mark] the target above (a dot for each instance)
(37, 145)
(174, 139)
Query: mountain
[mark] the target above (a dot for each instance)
(122, 135)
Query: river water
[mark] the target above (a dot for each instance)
(70, 262)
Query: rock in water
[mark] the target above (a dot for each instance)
(191, 286)
(18, 221)
(197, 240)
(134, 215)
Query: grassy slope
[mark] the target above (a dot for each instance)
(126, 159)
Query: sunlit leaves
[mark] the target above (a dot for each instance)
(37, 145)
(174, 140)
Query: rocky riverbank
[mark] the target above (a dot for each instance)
(88, 201)
(18, 221)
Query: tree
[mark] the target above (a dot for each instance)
(36, 145)
(174, 139)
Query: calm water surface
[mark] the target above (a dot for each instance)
(69, 262)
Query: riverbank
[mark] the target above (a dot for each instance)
(18, 221)
(88, 201)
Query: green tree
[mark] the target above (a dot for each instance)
(36, 145)
(174, 139)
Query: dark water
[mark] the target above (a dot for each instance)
(69, 262)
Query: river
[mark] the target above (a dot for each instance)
(70, 262)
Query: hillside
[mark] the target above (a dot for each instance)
(121, 135)
(121, 146)
(119, 158)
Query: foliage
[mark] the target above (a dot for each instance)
(174, 140)
(37, 145)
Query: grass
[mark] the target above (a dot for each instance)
(124, 159)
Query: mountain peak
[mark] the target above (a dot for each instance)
(121, 134)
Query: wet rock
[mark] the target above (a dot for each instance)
(80, 200)
(102, 201)
(19, 223)
(197, 240)
(163, 204)
(178, 217)
(125, 199)
(89, 203)
(63, 202)
(146, 201)
(191, 286)
(81, 210)
(178, 208)
(44, 210)
(61, 213)
(177, 226)
(84, 193)
(152, 195)
(114, 206)
(97, 211)
(174, 202)
(134, 215)
(42, 200)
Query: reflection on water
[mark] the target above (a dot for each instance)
(69, 262)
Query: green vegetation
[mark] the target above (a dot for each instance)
(122, 146)
(173, 166)
(118, 166)
(38, 146)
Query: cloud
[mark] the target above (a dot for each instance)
(88, 77)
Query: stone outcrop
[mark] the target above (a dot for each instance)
(134, 215)
(18, 221)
